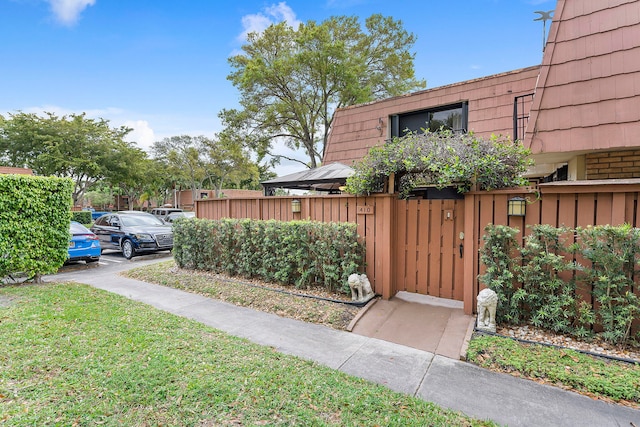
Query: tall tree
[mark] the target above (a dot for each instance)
(229, 164)
(185, 157)
(194, 160)
(85, 150)
(292, 80)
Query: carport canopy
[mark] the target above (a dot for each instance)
(324, 178)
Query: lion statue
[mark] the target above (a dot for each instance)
(360, 287)
(487, 304)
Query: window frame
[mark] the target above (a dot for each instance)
(396, 118)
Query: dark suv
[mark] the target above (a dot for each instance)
(133, 232)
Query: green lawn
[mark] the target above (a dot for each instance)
(74, 355)
(596, 377)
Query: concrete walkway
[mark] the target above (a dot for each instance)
(447, 382)
(435, 325)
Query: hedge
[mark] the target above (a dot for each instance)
(573, 281)
(298, 253)
(34, 224)
(83, 217)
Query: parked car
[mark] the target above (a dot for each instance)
(83, 244)
(163, 212)
(94, 213)
(175, 215)
(133, 232)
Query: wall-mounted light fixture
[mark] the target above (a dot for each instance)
(517, 206)
(380, 123)
(295, 205)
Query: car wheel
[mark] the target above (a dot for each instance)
(128, 250)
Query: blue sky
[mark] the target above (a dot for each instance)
(160, 67)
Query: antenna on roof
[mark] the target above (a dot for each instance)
(544, 17)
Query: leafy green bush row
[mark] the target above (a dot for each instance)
(83, 217)
(300, 253)
(34, 224)
(566, 280)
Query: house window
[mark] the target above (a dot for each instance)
(453, 117)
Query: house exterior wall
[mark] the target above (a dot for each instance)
(613, 164)
(356, 129)
(184, 198)
(588, 94)
(11, 170)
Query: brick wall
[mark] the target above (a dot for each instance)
(613, 165)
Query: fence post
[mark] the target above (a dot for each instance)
(471, 247)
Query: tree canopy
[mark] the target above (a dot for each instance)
(192, 161)
(85, 150)
(442, 159)
(291, 81)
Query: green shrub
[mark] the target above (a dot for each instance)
(531, 287)
(300, 253)
(501, 256)
(551, 300)
(34, 224)
(443, 159)
(83, 217)
(614, 253)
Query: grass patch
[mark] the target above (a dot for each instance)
(608, 380)
(74, 355)
(337, 316)
(597, 377)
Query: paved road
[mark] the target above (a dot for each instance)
(110, 261)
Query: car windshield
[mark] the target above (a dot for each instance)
(135, 220)
(176, 215)
(77, 228)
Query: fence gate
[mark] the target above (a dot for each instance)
(429, 236)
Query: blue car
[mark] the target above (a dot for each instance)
(84, 245)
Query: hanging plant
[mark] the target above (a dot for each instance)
(442, 159)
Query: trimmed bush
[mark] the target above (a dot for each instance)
(540, 283)
(83, 217)
(299, 253)
(34, 224)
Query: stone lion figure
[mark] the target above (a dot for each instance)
(487, 304)
(360, 287)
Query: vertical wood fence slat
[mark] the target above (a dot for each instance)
(401, 207)
(435, 216)
(603, 208)
(412, 246)
(423, 246)
(447, 251)
(458, 265)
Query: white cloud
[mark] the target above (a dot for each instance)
(67, 12)
(258, 22)
(142, 134)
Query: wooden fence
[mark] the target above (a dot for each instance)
(432, 246)
(371, 214)
(570, 204)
